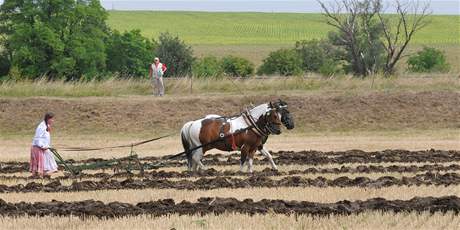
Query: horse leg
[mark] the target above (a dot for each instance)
(251, 160)
(197, 156)
(194, 166)
(189, 161)
(264, 152)
(243, 158)
(242, 161)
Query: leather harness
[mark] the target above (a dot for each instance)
(250, 121)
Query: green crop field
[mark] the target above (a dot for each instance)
(200, 28)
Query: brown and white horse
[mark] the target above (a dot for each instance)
(247, 132)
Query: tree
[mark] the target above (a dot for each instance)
(55, 38)
(129, 53)
(4, 64)
(374, 42)
(177, 55)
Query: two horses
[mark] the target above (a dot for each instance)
(247, 132)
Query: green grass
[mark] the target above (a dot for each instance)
(203, 28)
(252, 86)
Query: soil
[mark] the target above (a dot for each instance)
(207, 205)
(297, 158)
(120, 115)
(361, 169)
(205, 183)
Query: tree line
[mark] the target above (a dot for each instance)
(70, 40)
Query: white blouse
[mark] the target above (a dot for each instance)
(42, 137)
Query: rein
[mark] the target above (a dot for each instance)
(79, 149)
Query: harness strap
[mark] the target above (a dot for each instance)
(250, 121)
(234, 147)
(222, 131)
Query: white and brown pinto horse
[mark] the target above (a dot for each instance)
(247, 132)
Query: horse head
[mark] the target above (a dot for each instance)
(272, 120)
(286, 117)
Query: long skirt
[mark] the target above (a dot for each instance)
(50, 165)
(158, 86)
(37, 160)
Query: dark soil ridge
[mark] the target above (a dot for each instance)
(204, 183)
(286, 158)
(217, 206)
(361, 169)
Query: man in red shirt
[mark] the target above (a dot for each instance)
(157, 69)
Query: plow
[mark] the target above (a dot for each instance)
(127, 164)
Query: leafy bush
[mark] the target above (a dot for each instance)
(129, 53)
(237, 66)
(285, 62)
(175, 54)
(428, 60)
(316, 53)
(330, 68)
(207, 67)
(319, 56)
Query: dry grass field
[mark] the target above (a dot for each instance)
(368, 220)
(332, 116)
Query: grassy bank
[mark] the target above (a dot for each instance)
(251, 86)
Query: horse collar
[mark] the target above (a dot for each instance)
(253, 124)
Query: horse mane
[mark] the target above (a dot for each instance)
(258, 111)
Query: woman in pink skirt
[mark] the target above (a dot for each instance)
(41, 159)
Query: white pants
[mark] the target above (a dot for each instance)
(49, 162)
(158, 86)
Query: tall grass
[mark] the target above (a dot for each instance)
(42, 87)
(266, 85)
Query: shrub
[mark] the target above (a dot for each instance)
(428, 60)
(237, 66)
(330, 68)
(285, 62)
(175, 54)
(207, 67)
(319, 56)
(129, 53)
